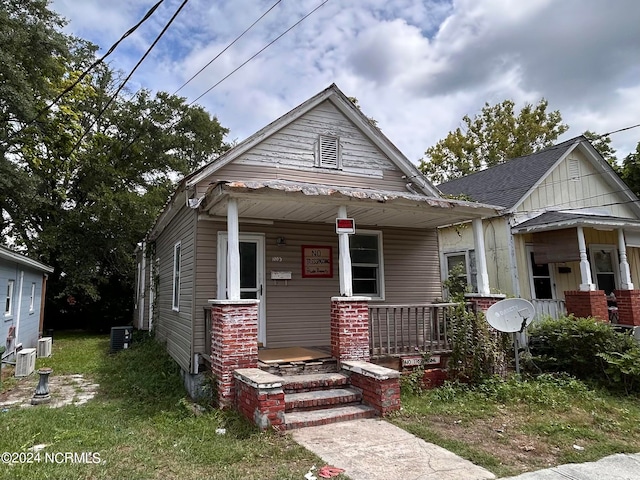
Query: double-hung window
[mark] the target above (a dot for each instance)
(176, 277)
(8, 304)
(460, 271)
(367, 273)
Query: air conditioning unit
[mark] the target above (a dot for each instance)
(44, 347)
(25, 362)
(120, 338)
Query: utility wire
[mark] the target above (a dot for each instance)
(259, 52)
(226, 48)
(91, 67)
(115, 94)
(619, 130)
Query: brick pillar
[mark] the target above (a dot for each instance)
(592, 303)
(628, 306)
(234, 343)
(483, 302)
(350, 328)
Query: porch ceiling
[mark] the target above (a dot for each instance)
(561, 220)
(301, 202)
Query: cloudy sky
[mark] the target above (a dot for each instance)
(415, 66)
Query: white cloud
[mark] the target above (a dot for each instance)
(417, 67)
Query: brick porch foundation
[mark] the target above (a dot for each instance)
(483, 302)
(350, 328)
(234, 343)
(587, 304)
(628, 306)
(380, 385)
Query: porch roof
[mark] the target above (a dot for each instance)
(559, 220)
(306, 202)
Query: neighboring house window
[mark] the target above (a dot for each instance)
(603, 264)
(32, 298)
(366, 264)
(328, 153)
(461, 272)
(541, 279)
(176, 277)
(8, 304)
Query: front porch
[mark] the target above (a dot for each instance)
(585, 264)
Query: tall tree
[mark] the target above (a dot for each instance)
(630, 171)
(603, 145)
(95, 181)
(492, 137)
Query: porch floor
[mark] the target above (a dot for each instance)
(290, 354)
(297, 360)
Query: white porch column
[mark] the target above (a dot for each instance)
(233, 251)
(346, 282)
(585, 268)
(481, 257)
(625, 272)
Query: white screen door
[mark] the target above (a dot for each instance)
(252, 283)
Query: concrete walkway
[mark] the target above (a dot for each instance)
(613, 467)
(372, 449)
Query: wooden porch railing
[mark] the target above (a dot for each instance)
(410, 328)
(552, 308)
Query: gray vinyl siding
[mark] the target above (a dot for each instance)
(175, 327)
(298, 310)
(289, 154)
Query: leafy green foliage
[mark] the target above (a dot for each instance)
(495, 135)
(604, 148)
(630, 171)
(573, 345)
(478, 351)
(80, 199)
(624, 368)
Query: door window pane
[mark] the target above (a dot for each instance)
(248, 265)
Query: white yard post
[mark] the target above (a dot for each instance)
(481, 257)
(625, 273)
(346, 283)
(587, 284)
(233, 251)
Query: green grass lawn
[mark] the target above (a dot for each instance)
(140, 425)
(517, 426)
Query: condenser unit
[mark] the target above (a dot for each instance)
(120, 338)
(44, 347)
(25, 362)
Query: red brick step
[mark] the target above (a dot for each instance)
(313, 382)
(321, 399)
(325, 416)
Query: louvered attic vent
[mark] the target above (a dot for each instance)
(329, 152)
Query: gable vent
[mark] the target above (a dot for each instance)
(574, 169)
(329, 152)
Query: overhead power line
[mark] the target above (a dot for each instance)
(227, 47)
(259, 52)
(620, 130)
(91, 67)
(115, 94)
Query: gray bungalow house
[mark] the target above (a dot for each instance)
(569, 233)
(23, 282)
(251, 242)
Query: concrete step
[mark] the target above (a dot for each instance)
(320, 399)
(328, 415)
(313, 382)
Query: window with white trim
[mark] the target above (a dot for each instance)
(328, 152)
(8, 304)
(176, 276)
(32, 298)
(367, 273)
(460, 270)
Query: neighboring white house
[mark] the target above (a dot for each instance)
(570, 224)
(23, 285)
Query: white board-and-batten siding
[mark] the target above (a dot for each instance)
(575, 183)
(298, 310)
(175, 327)
(289, 154)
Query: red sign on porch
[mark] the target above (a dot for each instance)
(345, 225)
(317, 261)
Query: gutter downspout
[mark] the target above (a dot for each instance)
(19, 311)
(45, 277)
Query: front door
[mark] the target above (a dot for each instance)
(604, 265)
(251, 273)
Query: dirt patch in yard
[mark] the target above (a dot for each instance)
(64, 390)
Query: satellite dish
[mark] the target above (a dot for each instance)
(510, 315)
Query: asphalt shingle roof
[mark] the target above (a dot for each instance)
(548, 218)
(508, 182)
